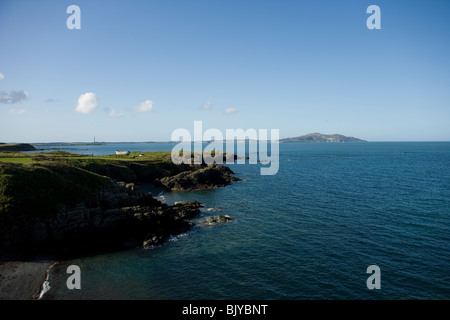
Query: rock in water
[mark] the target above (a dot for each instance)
(187, 209)
(217, 219)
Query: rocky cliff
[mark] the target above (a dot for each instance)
(56, 207)
(213, 176)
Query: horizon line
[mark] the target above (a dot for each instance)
(209, 141)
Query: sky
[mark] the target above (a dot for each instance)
(138, 70)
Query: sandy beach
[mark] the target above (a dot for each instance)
(22, 280)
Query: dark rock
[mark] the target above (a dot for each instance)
(213, 176)
(152, 241)
(123, 216)
(187, 209)
(217, 219)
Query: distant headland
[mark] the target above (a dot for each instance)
(318, 137)
(16, 147)
(311, 137)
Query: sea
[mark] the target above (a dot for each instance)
(311, 231)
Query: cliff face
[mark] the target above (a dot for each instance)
(56, 207)
(118, 215)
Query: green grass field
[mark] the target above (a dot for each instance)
(27, 158)
(17, 160)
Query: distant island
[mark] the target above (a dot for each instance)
(318, 137)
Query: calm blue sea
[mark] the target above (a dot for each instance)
(309, 232)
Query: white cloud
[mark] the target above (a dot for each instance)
(230, 110)
(1, 76)
(146, 106)
(13, 96)
(115, 114)
(17, 111)
(206, 106)
(87, 103)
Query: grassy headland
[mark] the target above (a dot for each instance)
(54, 178)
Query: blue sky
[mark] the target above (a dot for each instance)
(297, 66)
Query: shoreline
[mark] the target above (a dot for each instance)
(23, 280)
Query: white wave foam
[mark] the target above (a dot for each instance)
(46, 285)
(175, 238)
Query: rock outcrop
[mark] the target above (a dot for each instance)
(213, 176)
(212, 221)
